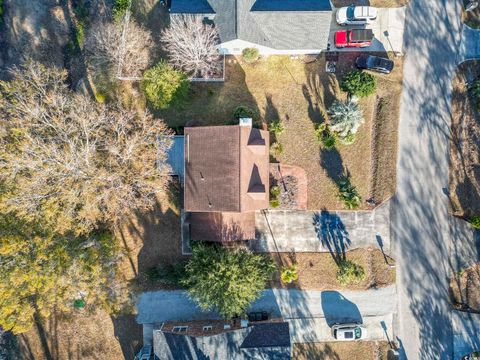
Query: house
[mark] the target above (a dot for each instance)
(274, 27)
(202, 340)
(226, 180)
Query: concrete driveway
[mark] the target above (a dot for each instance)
(388, 30)
(321, 231)
(310, 313)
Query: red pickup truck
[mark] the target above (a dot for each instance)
(353, 38)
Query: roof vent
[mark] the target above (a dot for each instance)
(245, 122)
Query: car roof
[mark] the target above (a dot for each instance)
(365, 11)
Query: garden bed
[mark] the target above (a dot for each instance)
(465, 289)
(318, 271)
(358, 350)
(465, 144)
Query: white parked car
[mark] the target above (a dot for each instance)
(356, 15)
(349, 332)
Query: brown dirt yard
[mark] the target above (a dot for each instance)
(465, 289)
(317, 271)
(465, 144)
(359, 350)
(299, 92)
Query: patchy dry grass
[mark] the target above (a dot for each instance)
(358, 350)
(299, 92)
(465, 144)
(318, 271)
(465, 289)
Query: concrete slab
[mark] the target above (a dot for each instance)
(317, 329)
(318, 231)
(470, 46)
(388, 30)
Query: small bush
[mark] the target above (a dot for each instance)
(348, 194)
(475, 88)
(475, 221)
(349, 139)
(274, 196)
(100, 97)
(359, 83)
(350, 273)
(243, 111)
(250, 55)
(289, 274)
(345, 119)
(276, 127)
(325, 136)
(165, 86)
(276, 149)
(120, 7)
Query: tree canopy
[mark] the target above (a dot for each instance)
(70, 161)
(226, 280)
(44, 272)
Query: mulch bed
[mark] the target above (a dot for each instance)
(292, 182)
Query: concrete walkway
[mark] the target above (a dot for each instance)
(466, 333)
(470, 46)
(388, 30)
(321, 231)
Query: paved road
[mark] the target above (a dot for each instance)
(321, 231)
(388, 30)
(421, 225)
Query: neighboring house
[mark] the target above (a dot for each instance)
(226, 181)
(210, 340)
(282, 27)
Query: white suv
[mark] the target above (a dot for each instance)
(349, 332)
(356, 15)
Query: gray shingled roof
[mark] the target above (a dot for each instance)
(273, 344)
(281, 25)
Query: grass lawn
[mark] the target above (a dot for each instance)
(317, 271)
(358, 350)
(465, 144)
(299, 92)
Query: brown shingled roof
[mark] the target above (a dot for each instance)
(226, 169)
(222, 227)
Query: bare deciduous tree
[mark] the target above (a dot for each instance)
(117, 51)
(67, 157)
(192, 45)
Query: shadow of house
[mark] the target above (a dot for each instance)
(332, 233)
(128, 333)
(339, 310)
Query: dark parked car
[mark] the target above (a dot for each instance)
(374, 63)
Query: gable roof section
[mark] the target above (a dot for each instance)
(226, 169)
(275, 334)
(227, 345)
(191, 7)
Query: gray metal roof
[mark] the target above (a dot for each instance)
(273, 344)
(281, 25)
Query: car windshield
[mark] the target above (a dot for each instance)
(351, 13)
(348, 335)
(358, 333)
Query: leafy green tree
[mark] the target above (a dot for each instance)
(359, 83)
(350, 272)
(226, 280)
(345, 119)
(164, 86)
(250, 55)
(43, 272)
(276, 127)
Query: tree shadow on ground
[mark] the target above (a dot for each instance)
(331, 161)
(129, 334)
(332, 233)
(339, 310)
